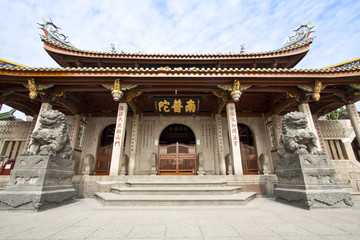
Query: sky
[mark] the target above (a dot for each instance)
(181, 26)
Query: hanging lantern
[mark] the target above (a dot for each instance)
(117, 94)
(236, 90)
(117, 88)
(235, 95)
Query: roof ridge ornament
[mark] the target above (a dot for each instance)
(51, 32)
(301, 35)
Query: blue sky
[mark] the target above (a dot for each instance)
(181, 26)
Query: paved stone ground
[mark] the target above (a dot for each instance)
(263, 218)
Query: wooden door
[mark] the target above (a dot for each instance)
(103, 160)
(177, 159)
(249, 159)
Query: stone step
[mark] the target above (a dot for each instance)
(165, 183)
(176, 190)
(112, 199)
(355, 196)
(345, 185)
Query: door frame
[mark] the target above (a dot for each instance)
(183, 152)
(103, 161)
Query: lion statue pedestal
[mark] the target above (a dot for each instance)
(305, 175)
(42, 176)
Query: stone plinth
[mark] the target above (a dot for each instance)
(39, 182)
(309, 181)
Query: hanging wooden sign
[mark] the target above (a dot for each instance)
(177, 106)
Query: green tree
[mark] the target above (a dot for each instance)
(334, 115)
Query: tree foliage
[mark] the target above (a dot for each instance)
(334, 115)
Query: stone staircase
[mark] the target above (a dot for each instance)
(175, 193)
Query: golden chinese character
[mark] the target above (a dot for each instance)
(190, 106)
(164, 104)
(177, 106)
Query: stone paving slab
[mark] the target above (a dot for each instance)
(262, 218)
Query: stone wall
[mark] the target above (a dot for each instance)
(338, 135)
(13, 136)
(11, 130)
(150, 128)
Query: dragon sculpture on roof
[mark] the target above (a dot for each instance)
(301, 34)
(51, 32)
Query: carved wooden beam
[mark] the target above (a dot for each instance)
(223, 95)
(29, 108)
(275, 63)
(283, 105)
(78, 63)
(221, 104)
(100, 64)
(130, 98)
(77, 101)
(68, 105)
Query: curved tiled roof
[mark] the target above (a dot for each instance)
(4, 62)
(7, 115)
(348, 64)
(185, 56)
(179, 70)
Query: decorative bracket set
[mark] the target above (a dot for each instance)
(117, 89)
(235, 89)
(312, 91)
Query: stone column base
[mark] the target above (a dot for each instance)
(314, 198)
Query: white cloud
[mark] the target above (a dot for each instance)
(182, 26)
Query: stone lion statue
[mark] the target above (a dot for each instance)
(51, 138)
(296, 138)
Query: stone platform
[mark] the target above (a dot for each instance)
(309, 181)
(87, 186)
(38, 182)
(183, 193)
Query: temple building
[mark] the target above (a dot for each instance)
(213, 117)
